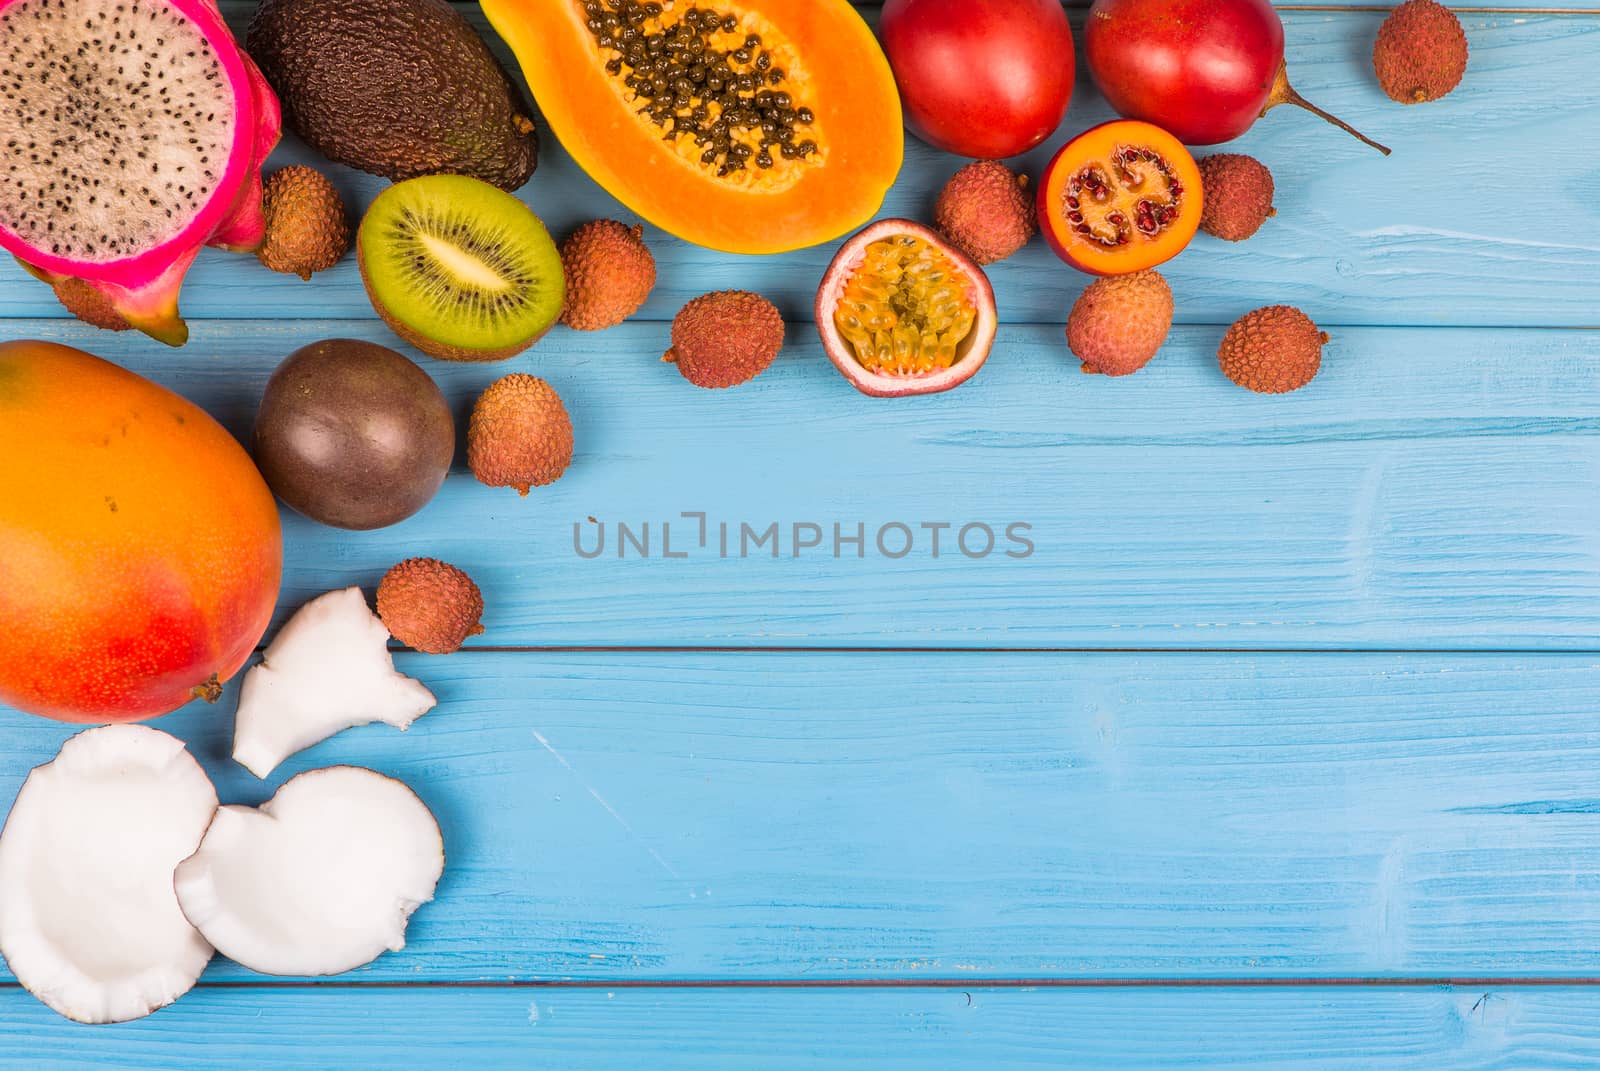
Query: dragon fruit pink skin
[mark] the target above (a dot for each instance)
(143, 287)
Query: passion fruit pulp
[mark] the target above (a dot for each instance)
(1120, 198)
(901, 311)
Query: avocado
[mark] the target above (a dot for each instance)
(399, 88)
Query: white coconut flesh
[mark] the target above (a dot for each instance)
(89, 922)
(329, 669)
(117, 125)
(321, 879)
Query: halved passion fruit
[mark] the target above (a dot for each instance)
(1120, 198)
(901, 311)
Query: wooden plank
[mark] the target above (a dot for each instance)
(922, 816)
(1431, 488)
(334, 1029)
(1416, 239)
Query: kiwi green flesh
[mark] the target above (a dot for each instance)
(461, 264)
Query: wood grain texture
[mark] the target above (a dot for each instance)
(1430, 488)
(638, 816)
(850, 816)
(332, 1029)
(1359, 239)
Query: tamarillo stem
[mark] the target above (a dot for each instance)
(1284, 93)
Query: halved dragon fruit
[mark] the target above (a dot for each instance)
(132, 133)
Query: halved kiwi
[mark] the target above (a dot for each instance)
(461, 270)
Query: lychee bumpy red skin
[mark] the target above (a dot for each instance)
(986, 211)
(610, 273)
(1421, 52)
(430, 605)
(308, 226)
(1273, 350)
(1238, 192)
(520, 435)
(1120, 321)
(725, 339)
(89, 305)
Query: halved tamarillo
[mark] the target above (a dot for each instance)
(1122, 197)
(901, 311)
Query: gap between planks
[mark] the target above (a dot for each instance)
(1309, 982)
(914, 649)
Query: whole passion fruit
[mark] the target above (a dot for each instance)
(901, 311)
(353, 435)
(1120, 198)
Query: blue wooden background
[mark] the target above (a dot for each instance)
(1280, 751)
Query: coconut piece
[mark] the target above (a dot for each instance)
(327, 670)
(321, 879)
(89, 922)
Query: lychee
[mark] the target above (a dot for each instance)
(986, 212)
(726, 338)
(610, 272)
(430, 605)
(1238, 193)
(308, 227)
(1421, 52)
(520, 435)
(1273, 350)
(1120, 321)
(89, 305)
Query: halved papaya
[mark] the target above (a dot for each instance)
(748, 126)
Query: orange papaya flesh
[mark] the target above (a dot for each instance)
(747, 126)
